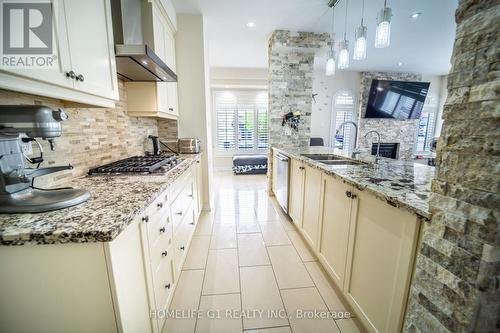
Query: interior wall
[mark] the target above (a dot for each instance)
(391, 130)
(326, 87)
(90, 136)
(193, 121)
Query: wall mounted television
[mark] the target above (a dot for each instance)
(396, 99)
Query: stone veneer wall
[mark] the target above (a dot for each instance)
(391, 130)
(91, 136)
(167, 129)
(456, 284)
(291, 63)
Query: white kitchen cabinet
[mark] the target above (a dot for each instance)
(296, 191)
(274, 175)
(335, 224)
(119, 284)
(199, 187)
(156, 99)
(85, 70)
(311, 210)
(380, 260)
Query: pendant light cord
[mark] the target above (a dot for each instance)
(362, 11)
(345, 26)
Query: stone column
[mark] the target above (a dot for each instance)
(455, 287)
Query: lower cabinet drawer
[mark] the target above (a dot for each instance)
(181, 204)
(163, 283)
(181, 239)
(161, 251)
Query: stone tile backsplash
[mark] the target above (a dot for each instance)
(91, 136)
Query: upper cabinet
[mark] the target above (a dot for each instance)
(84, 68)
(156, 99)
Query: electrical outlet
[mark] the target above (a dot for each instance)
(26, 148)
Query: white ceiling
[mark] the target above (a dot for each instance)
(423, 45)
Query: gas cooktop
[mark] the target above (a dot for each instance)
(138, 164)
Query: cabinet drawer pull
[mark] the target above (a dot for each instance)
(301, 168)
(171, 109)
(162, 230)
(198, 162)
(348, 194)
(164, 254)
(167, 286)
(190, 195)
(71, 74)
(145, 218)
(159, 205)
(80, 78)
(182, 248)
(192, 223)
(179, 213)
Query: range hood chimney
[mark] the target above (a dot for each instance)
(135, 61)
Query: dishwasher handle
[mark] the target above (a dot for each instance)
(282, 157)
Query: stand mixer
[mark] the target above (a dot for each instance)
(20, 125)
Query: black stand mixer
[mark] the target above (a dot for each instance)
(22, 124)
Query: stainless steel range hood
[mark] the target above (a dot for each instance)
(135, 61)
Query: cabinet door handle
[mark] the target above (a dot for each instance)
(164, 254)
(182, 248)
(192, 223)
(348, 194)
(301, 168)
(167, 286)
(71, 74)
(145, 218)
(160, 205)
(190, 195)
(198, 162)
(80, 78)
(162, 230)
(179, 213)
(171, 109)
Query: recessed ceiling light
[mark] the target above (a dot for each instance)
(251, 24)
(415, 15)
(400, 64)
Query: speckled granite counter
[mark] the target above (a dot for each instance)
(115, 201)
(402, 184)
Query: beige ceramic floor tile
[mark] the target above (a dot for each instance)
(288, 225)
(329, 294)
(289, 269)
(274, 234)
(186, 298)
(245, 228)
(204, 225)
(266, 212)
(305, 300)
(219, 304)
(301, 247)
(348, 326)
(260, 292)
(198, 252)
(221, 276)
(223, 237)
(285, 329)
(251, 250)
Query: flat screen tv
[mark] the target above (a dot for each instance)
(396, 99)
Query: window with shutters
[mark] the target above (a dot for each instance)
(425, 131)
(343, 110)
(241, 121)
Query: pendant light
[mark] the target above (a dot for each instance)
(330, 63)
(343, 62)
(383, 33)
(360, 36)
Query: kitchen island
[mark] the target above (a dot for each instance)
(108, 265)
(363, 221)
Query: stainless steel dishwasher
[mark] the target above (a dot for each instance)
(282, 181)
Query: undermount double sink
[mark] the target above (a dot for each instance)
(331, 159)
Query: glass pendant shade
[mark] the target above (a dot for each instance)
(343, 60)
(330, 64)
(383, 32)
(360, 44)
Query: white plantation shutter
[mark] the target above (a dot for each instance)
(242, 120)
(343, 111)
(225, 107)
(425, 131)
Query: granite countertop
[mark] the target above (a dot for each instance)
(116, 200)
(402, 184)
